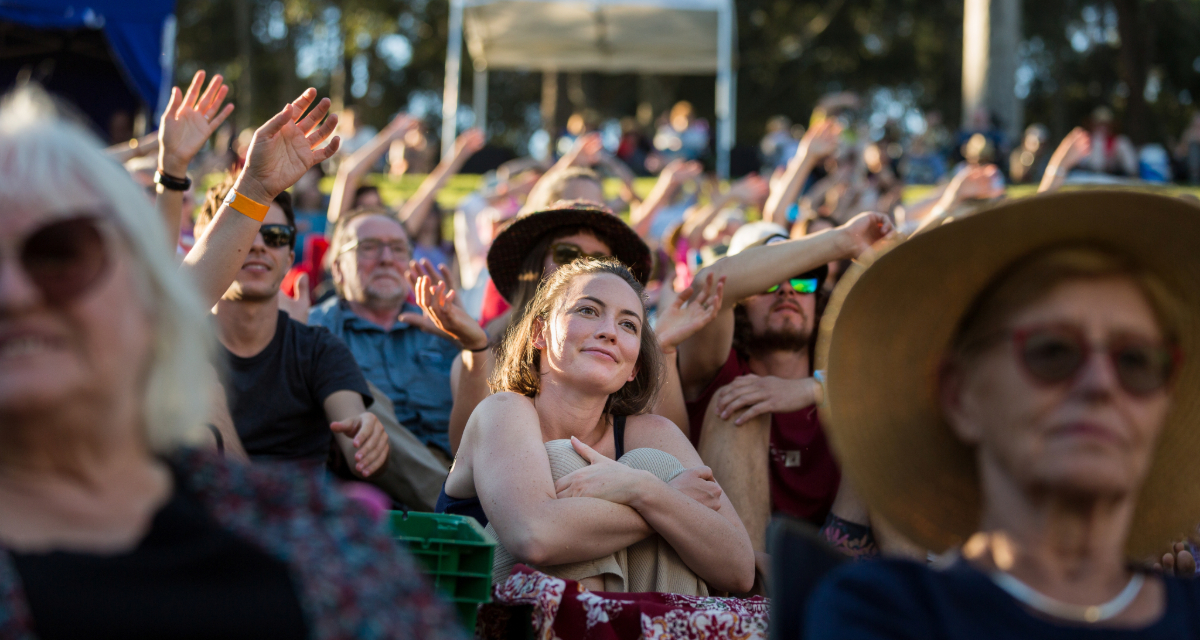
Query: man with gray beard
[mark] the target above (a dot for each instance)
(747, 375)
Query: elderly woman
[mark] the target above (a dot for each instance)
(572, 383)
(1016, 386)
(110, 526)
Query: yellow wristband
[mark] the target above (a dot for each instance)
(245, 206)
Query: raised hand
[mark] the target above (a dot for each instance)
(369, 439)
(760, 395)
(864, 230)
(1071, 151)
(468, 143)
(698, 484)
(686, 315)
(1178, 562)
(443, 311)
(285, 148)
(750, 189)
(681, 171)
(188, 122)
(820, 141)
(585, 152)
(603, 478)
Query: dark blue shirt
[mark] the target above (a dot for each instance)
(411, 367)
(899, 599)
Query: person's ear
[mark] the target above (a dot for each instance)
(633, 374)
(952, 384)
(537, 334)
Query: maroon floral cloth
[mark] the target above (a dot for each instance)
(563, 610)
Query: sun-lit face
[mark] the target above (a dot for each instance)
(784, 311)
(91, 351)
(373, 271)
(592, 339)
(265, 267)
(1084, 436)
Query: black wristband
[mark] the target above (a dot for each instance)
(171, 182)
(481, 349)
(220, 439)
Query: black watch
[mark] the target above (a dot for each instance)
(171, 182)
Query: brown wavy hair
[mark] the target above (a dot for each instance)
(517, 360)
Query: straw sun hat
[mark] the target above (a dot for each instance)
(889, 324)
(514, 243)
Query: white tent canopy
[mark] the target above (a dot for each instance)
(608, 36)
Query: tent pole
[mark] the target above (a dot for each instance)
(725, 80)
(481, 97)
(454, 41)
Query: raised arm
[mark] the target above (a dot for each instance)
(817, 143)
(755, 270)
(970, 183)
(679, 318)
(187, 123)
(352, 169)
(414, 210)
(513, 480)
(749, 189)
(283, 149)
(676, 173)
(1070, 152)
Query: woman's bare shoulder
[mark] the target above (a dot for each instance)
(656, 432)
(505, 410)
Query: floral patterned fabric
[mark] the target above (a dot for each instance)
(353, 579)
(563, 610)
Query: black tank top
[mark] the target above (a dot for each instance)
(472, 507)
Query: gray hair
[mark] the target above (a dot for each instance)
(41, 150)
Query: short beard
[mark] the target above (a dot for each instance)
(772, 340)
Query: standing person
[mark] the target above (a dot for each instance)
(1034, 414)
(747, 375)
(110, 524)
(294, 390)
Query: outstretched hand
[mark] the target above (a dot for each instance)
(1178, 562)
(285, 148)
(863, 231)
(750, 189)
(821, 141)
(298, 305)
(585, 152)
(468, 143)
(437, 298)
(1071, 151)
(188, 121)
(689, 313)
(369, 438)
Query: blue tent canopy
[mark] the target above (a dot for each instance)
(140, 34)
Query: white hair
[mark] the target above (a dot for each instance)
(45, 156)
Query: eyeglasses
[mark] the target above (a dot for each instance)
(799, 285)
(65, 258)
(563, 253)
(1056, 354)
(373, 249)
(278, 235)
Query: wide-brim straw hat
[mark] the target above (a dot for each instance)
(513, 244)
(890, 323)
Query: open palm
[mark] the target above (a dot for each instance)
(285, 147)
(189, 120)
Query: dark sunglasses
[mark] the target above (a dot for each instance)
(65, 258)
(563, 253)
(1056, 354)
(278, 235)
(799, 285)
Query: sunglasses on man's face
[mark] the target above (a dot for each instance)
(278, 235)
(799, 285)
(66, 258)
(563, 253)
(1055, 354)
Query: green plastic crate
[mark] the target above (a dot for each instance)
(456, 554)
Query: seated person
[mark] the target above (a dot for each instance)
(538, 458)
(368, 258)
(293, 390)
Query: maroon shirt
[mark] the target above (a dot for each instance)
(804, 475)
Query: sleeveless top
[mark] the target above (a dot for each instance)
(472, 507)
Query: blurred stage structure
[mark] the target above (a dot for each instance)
(110, 58)
(606, 36)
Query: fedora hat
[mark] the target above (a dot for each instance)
(891, 321)
(511, 247)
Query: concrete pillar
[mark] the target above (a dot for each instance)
(991, 36)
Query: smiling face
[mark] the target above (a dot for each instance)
(90, 351)
(593, 336)
(264, 267)
(1086, 436)
(373, 273)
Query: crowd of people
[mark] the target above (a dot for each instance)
(208, 401)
